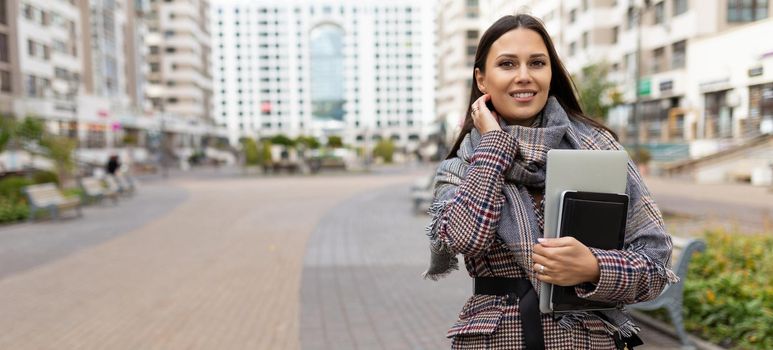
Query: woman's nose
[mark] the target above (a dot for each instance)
(522, 75)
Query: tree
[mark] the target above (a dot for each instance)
(335, 142)
(7, 131)
(283, 140)
(384, 149)
(251, 153)
(60, 150)
(265, 153)
(596, 94)
(30, 132)
(309, 141)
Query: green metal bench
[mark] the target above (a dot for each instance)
(673, 295)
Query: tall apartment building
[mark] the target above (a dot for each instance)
(136, 68)
(458, 26)
(47, 38)
(363, 70)
(10, 79)
(104, 99)
(179, 80)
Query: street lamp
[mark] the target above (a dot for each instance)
(639, 11)
(162, 147)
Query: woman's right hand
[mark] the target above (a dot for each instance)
(484, 119)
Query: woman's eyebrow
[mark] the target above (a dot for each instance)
(510, 55)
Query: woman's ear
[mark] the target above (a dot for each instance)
(480, 80)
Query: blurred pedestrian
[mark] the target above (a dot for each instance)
(489, 207)
(113, 164)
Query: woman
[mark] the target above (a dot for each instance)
(488, 207)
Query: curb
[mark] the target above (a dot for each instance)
(664, 328)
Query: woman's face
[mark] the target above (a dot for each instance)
(517, 76)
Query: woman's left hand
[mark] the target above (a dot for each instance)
(566, 261)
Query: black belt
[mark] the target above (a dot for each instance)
(528, 307)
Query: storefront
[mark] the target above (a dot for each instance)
(718, 115)
(760, 110)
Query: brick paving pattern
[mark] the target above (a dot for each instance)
(361, 286)
(219, 261)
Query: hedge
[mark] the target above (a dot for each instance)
(729, 291)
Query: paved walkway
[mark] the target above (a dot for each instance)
(224, 262)
(740, 208)
(361, 286)
(220, 271)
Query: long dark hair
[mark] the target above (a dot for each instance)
(561, 84)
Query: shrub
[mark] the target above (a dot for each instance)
(11, 187)
(42, 177)
(12, 210)
(251, 154)
(283, 140)
(729, 291)
(384, 149)
(335, 141)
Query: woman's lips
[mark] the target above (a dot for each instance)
(523, 98)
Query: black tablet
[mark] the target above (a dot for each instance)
(597, 220)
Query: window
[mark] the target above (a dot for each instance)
(760, 107)
(36, 86)
(472, 34)
(679, 51)
(746, 10)
(718, 122)
(657, 60)
(5, 81)
(572, 15)
(680, 7)
(572, 48)
(3, 48)
(615, 34)
(3, 14)
(585, 40)
(630, 18)
(660, 12)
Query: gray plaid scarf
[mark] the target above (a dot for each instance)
(518, 225)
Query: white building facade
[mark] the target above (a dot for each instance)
(362, 70)
(49, 50)
(458, 31)
(688, 105)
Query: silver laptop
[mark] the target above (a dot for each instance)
(578, 170)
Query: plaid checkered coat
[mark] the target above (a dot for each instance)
(468, 225)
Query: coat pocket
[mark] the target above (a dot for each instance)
(479, 316)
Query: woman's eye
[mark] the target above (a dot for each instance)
(506, 64)
(538, 63)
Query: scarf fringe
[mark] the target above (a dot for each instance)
(670, 276)
(626, 329)
(434, 211)
(661, 269)
(442, 260)
(453, 265)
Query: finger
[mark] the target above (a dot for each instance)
(545, 278)
(481, 103)
(538, 269)
(557, 242)
(539, 259)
